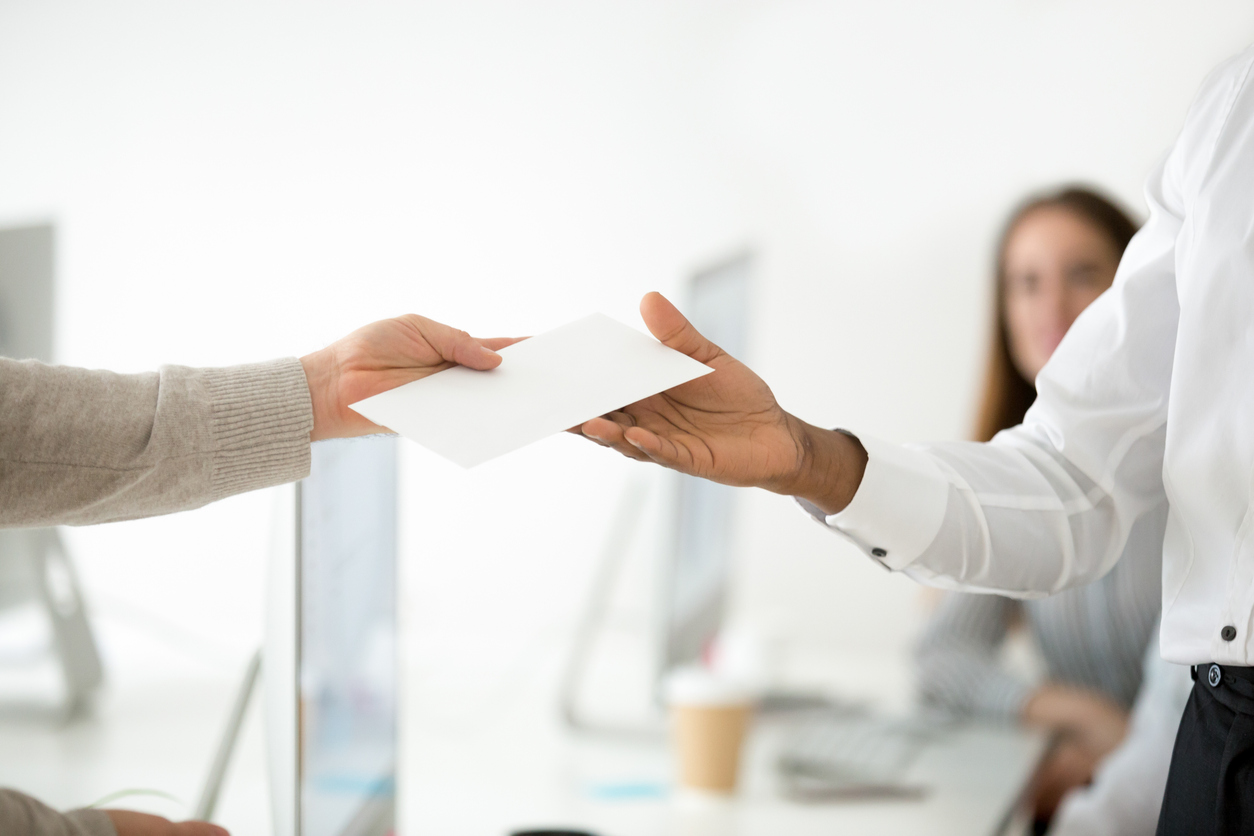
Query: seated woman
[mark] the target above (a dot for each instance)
(1115, 803)
(1058, 253)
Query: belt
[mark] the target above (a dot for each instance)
(1239, 679)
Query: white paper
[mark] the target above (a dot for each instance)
(543, 386)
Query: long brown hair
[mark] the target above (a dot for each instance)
(1008, 394)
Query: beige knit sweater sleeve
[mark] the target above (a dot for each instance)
(22, 815)
(80, 447)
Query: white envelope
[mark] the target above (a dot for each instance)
(543, 386)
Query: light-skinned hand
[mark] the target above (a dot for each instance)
(1068, 766)
(728, 427)
(1091, 719)
(1089, 725)
(128, 823)
(382, 356)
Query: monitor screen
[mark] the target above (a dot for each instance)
(718, 305)
(26, 292)
(347, 638)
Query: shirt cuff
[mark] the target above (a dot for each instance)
(899, 507)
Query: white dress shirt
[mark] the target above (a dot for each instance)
(1146, 408)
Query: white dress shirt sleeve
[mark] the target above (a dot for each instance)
(912, 485)
(1049, 504)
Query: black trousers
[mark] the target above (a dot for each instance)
(1210, 787)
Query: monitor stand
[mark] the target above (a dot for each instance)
(208, 802)
(36, 566)
(626, 519)
(631, 507)
(375, 818)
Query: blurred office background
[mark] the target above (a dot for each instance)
(234, 181)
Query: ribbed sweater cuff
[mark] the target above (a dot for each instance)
(92, 823)
(261, 420)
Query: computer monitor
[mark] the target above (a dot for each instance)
(37, 576)
(27, 262)
(697, 574)
(698, 531)
(330, 655)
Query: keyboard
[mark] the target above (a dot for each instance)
(854, 756)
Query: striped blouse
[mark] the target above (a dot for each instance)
(1091, 637)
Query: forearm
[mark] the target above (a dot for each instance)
(1085, 717)
(966, 683)
(79, 446)
(1055, 706)
(21, 815)
(957, 658)
(1014, 516)
(830, 468)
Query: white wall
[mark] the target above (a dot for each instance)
(235, 182)
(239, 180)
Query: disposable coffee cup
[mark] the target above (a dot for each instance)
(709, 718)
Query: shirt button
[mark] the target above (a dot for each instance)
(1214, 676)
(1228, 633)
(878, 552)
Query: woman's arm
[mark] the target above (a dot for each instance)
(80, 447)
(1127, 789)
(21, 815)
(957, 658)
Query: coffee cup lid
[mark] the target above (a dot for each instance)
(695, 685)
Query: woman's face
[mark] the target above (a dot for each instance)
(1056, 264)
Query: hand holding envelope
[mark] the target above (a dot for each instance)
(543, 385)
(728, 427)
(679, 401)
(381, 356)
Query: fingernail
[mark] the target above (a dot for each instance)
(489, 352)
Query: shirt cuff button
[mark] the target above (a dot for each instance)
(878, 552)
(1228, 633)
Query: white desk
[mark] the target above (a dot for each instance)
(483, 772)
(520, 768)
(156, 727)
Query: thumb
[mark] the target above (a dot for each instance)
(674, 330)
(458, 346)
